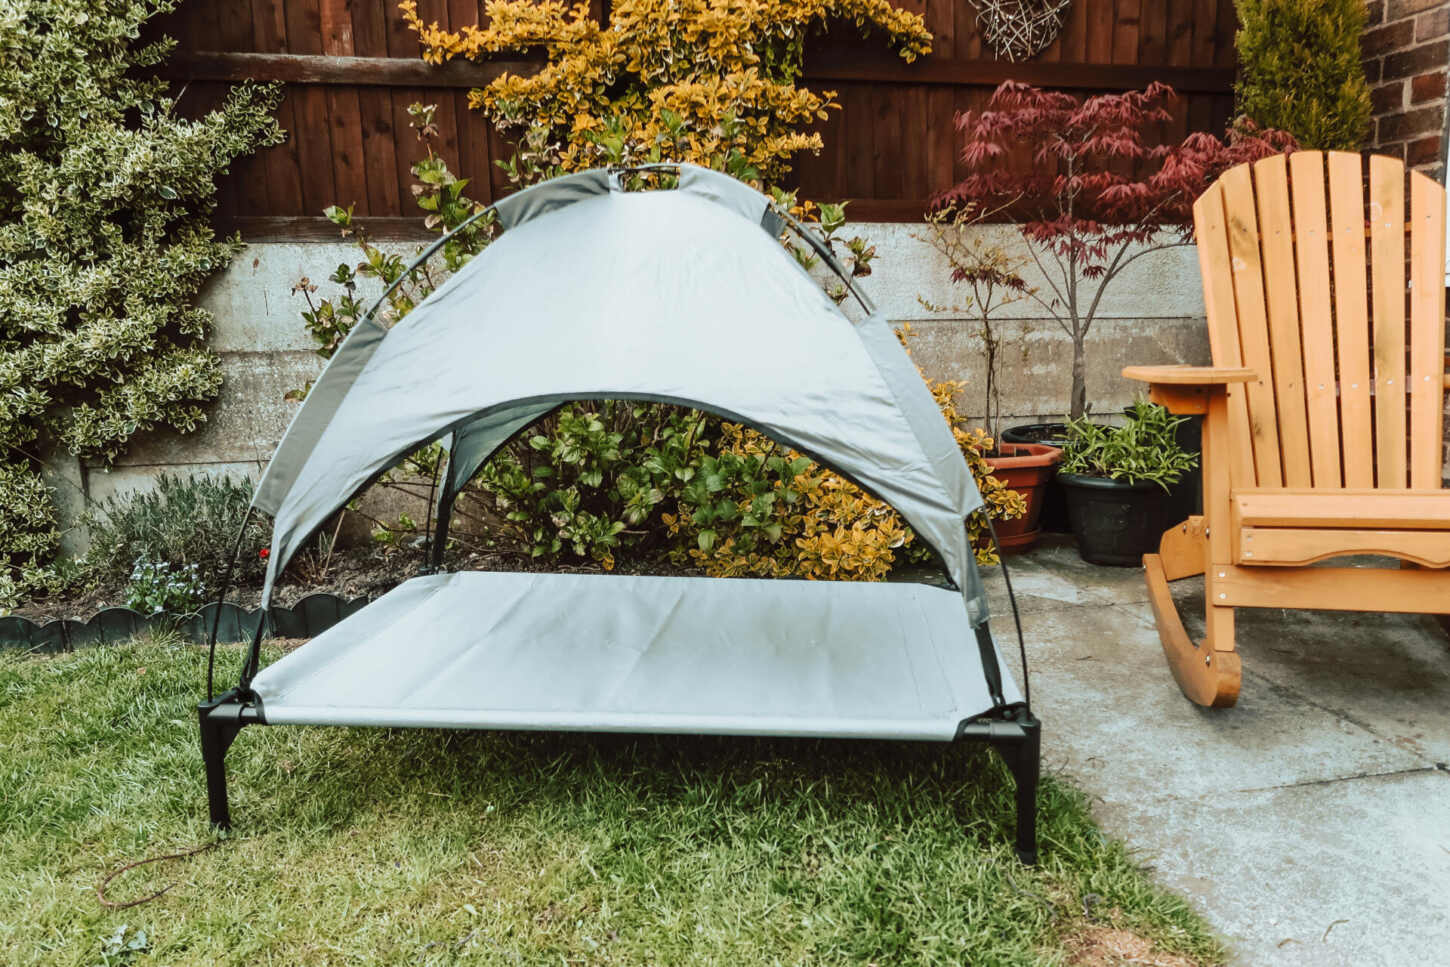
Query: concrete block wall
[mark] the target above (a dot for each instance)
(1152, 314)
(1406, 51)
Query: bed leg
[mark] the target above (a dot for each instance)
(1023, 756)
(1017, 736)
(220, 719)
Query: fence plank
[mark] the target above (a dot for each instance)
(344, 115)
(375, 107)
(1127, 31)
(352, 68)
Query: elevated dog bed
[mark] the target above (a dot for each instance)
(656, 654)
(680, 295)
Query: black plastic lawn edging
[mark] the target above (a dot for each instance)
(307, 618)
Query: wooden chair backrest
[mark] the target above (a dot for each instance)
(1351, 360)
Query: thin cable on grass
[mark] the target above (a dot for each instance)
(114, 905)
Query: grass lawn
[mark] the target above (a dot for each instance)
(380, 846)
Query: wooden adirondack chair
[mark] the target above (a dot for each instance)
(1323, 409)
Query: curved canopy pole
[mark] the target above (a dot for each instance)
(826, 255)
(427, 253)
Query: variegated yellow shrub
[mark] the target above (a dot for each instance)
(712, 82)
(756, 510)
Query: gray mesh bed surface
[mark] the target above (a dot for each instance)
(642, 654)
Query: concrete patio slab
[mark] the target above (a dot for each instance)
(1310, 823)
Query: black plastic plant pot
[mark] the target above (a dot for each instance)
(1054, 519)
(1052, 434)
(1115, 523)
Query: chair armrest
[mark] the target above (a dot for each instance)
(1190, 375)
(1185, 390)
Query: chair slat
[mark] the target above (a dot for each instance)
(1291, 546)
(1387, 276)
(1248, 275)
(1316, 321)
(1216, 268)
(1351, 316)
(1427, 332)
(1276, 229)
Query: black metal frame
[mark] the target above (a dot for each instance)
(1012, 731)
(1016, 735)
(221, 718)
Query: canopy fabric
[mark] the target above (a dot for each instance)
(683, 296)
(656, 654)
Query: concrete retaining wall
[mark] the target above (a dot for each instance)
(1152, 314)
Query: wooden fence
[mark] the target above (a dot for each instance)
(352, 68)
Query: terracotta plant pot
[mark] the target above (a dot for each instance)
(1025, 468)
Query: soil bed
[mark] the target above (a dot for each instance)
(357, 572)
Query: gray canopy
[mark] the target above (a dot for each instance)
(592, 292)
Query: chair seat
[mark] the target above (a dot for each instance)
(1297, 527)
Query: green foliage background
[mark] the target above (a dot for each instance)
(105, 193)
(1300, 70)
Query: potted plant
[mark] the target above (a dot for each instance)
(992, 278)
(1118, 482)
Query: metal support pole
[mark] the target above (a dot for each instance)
(440, 533)
(220, 720)
(1024, 757)
(1016, 735)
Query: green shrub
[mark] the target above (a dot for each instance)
(1300, 70)
(183, 521)
(590, 479)
(27, 527)
(1145, 448)
(105, 196)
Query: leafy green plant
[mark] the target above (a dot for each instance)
(182, 521)
(1144, 449)
(171, 588)
(1300, 70)
(123, 946)
(762, 510)
(106, 190)
(590, 478)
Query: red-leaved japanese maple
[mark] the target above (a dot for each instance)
(1093, 189)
